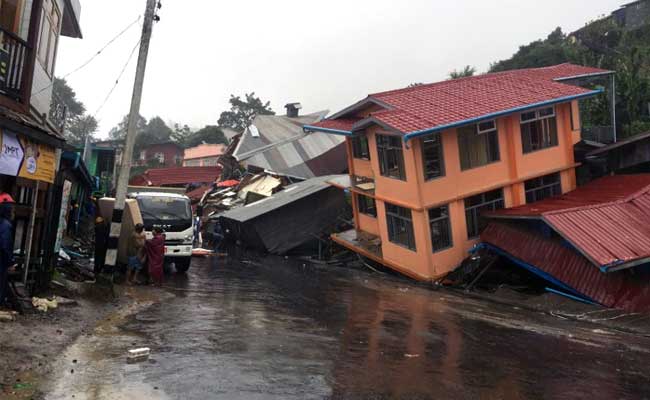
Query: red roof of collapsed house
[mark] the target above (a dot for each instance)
(570, 271)
(607, 220)
(442, 105)
(177, 176)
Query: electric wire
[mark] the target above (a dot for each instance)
(94, 56)
(117, 81)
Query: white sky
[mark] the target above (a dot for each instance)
(324, 54)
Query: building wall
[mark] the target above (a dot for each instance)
(41, 86)
(171, 152)
(509, 173)
(201, 162)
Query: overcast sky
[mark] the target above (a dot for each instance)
(324, 54)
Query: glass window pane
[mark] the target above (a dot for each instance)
(528, 116)
(432, 156)
(546, 112)
(486, 126)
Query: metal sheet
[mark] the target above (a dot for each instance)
(625, 289)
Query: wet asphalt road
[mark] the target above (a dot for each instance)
(281, 331)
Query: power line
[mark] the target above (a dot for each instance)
(117, 81)
(94, 55)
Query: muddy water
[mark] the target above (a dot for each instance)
(280, 331)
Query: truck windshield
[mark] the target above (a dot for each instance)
(164, 208)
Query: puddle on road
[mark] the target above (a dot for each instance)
(95, 367)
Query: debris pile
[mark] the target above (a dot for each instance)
(233, 193)
(75, 262)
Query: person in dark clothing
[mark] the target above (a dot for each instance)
(217, 236)
(101, 243)
(73, 218)
(6, 244)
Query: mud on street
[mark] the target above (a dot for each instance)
(281, 330)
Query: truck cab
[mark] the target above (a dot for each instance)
(171, 212)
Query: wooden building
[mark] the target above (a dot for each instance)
(31, 121)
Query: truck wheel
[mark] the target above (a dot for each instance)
(182, 264)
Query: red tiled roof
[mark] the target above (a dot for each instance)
(341, 124)
(179, 175)
(455, 101)
(608, 220)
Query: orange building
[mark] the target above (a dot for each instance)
(425, 161)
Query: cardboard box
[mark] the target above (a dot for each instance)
(131, 218)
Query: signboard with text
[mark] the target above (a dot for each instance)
(22, 157)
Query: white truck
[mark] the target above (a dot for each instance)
(173, 213)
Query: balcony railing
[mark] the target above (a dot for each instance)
(14, 54)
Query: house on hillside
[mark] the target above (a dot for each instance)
(32, 120)
(203, 155)
(633, 15)
(277, 143)
(160, 155)
(425, 162)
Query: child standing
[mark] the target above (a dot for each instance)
(135, 254)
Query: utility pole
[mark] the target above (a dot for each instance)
(134, 114)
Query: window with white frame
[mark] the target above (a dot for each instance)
(538, 129)
(49, 37)
(143, 155)
(478, 144)
(160, 157)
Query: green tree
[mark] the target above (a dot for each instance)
(156, 131)
(209, 134)
(468, 70)
(181, 133)
(79, 128)
(540, 53)
(119, 131)
(242, 112)
(77, 124)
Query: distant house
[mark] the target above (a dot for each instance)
(633, 15)
(167, 155)
(203, 155)
(427, 161)
(279, 144)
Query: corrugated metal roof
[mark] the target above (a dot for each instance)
(287, 196)
(621, 143)
(551, 258)
(177, 176)
(608, 220)
(425, 107)
(283, 147)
